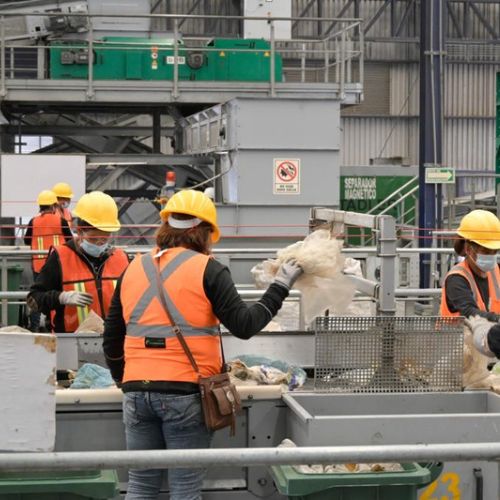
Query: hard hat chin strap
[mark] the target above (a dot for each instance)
(183, 224)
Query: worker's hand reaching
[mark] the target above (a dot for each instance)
(80, 299)
(480, 327)
(288, 273)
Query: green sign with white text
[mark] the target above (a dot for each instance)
(442, 175)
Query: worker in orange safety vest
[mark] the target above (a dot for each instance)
(81, 275)
(45, 230)
(472, 287)
(64, 195)
(161, 393)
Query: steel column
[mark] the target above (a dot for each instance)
(157, 131)
(430, 151)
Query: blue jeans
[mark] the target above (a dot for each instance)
(155, 421)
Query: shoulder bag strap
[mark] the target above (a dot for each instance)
(175, 327)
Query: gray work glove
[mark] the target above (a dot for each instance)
(480, 327)
(80, 299)
(288, 273)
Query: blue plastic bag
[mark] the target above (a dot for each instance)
(91, 376)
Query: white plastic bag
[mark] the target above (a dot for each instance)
(323, 284)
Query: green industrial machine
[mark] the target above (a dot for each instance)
(497, 143)
(124, 58)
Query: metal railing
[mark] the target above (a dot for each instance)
(329, 59)
(477, 187)
(401, 204)
(22, 254)
(249, 457)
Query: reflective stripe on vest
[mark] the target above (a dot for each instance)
(134, 329)
(82, 312)
(46, 233)
(77, 276)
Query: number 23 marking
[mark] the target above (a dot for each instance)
(451, 480)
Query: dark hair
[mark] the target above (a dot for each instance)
(459, 246)
(82, 224)
(196, 238)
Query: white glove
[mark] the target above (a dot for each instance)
(80, 299)
(480, 328)
(288, 273)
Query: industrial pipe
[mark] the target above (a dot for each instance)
(230, 457)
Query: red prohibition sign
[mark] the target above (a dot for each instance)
(287, 171)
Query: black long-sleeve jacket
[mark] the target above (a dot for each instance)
(241, 319)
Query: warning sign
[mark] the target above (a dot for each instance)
(286, 176)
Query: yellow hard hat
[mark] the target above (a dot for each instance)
(195, 203)
(63, 190)
(46, 198)
(99, 210)
(481, 227)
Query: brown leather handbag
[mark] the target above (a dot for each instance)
(219, 398)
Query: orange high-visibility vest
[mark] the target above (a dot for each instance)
(77, 276)
(152, 351)
(46, 232)
(66, 215)
(463, 269)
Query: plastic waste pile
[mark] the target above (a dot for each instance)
(259, 370)
(340, 468)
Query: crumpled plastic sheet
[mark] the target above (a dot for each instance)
(323, 284)
(91, 376)
(259, 370)
(476, 374)
(93, 323)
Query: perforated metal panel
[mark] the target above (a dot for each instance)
(388, 354)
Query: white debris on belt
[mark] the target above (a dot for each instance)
(349, 468)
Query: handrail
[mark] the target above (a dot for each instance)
(21, 251)
(401, 188)
(334, 54)
(230, 457)
(187, 16)
(400, 200)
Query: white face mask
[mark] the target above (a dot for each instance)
(94, 250)
(64, 204)
(486, 262)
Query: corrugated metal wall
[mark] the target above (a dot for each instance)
(386, 124)
(469, 95)
(469, 90)
(472, 28)
(373, 137)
